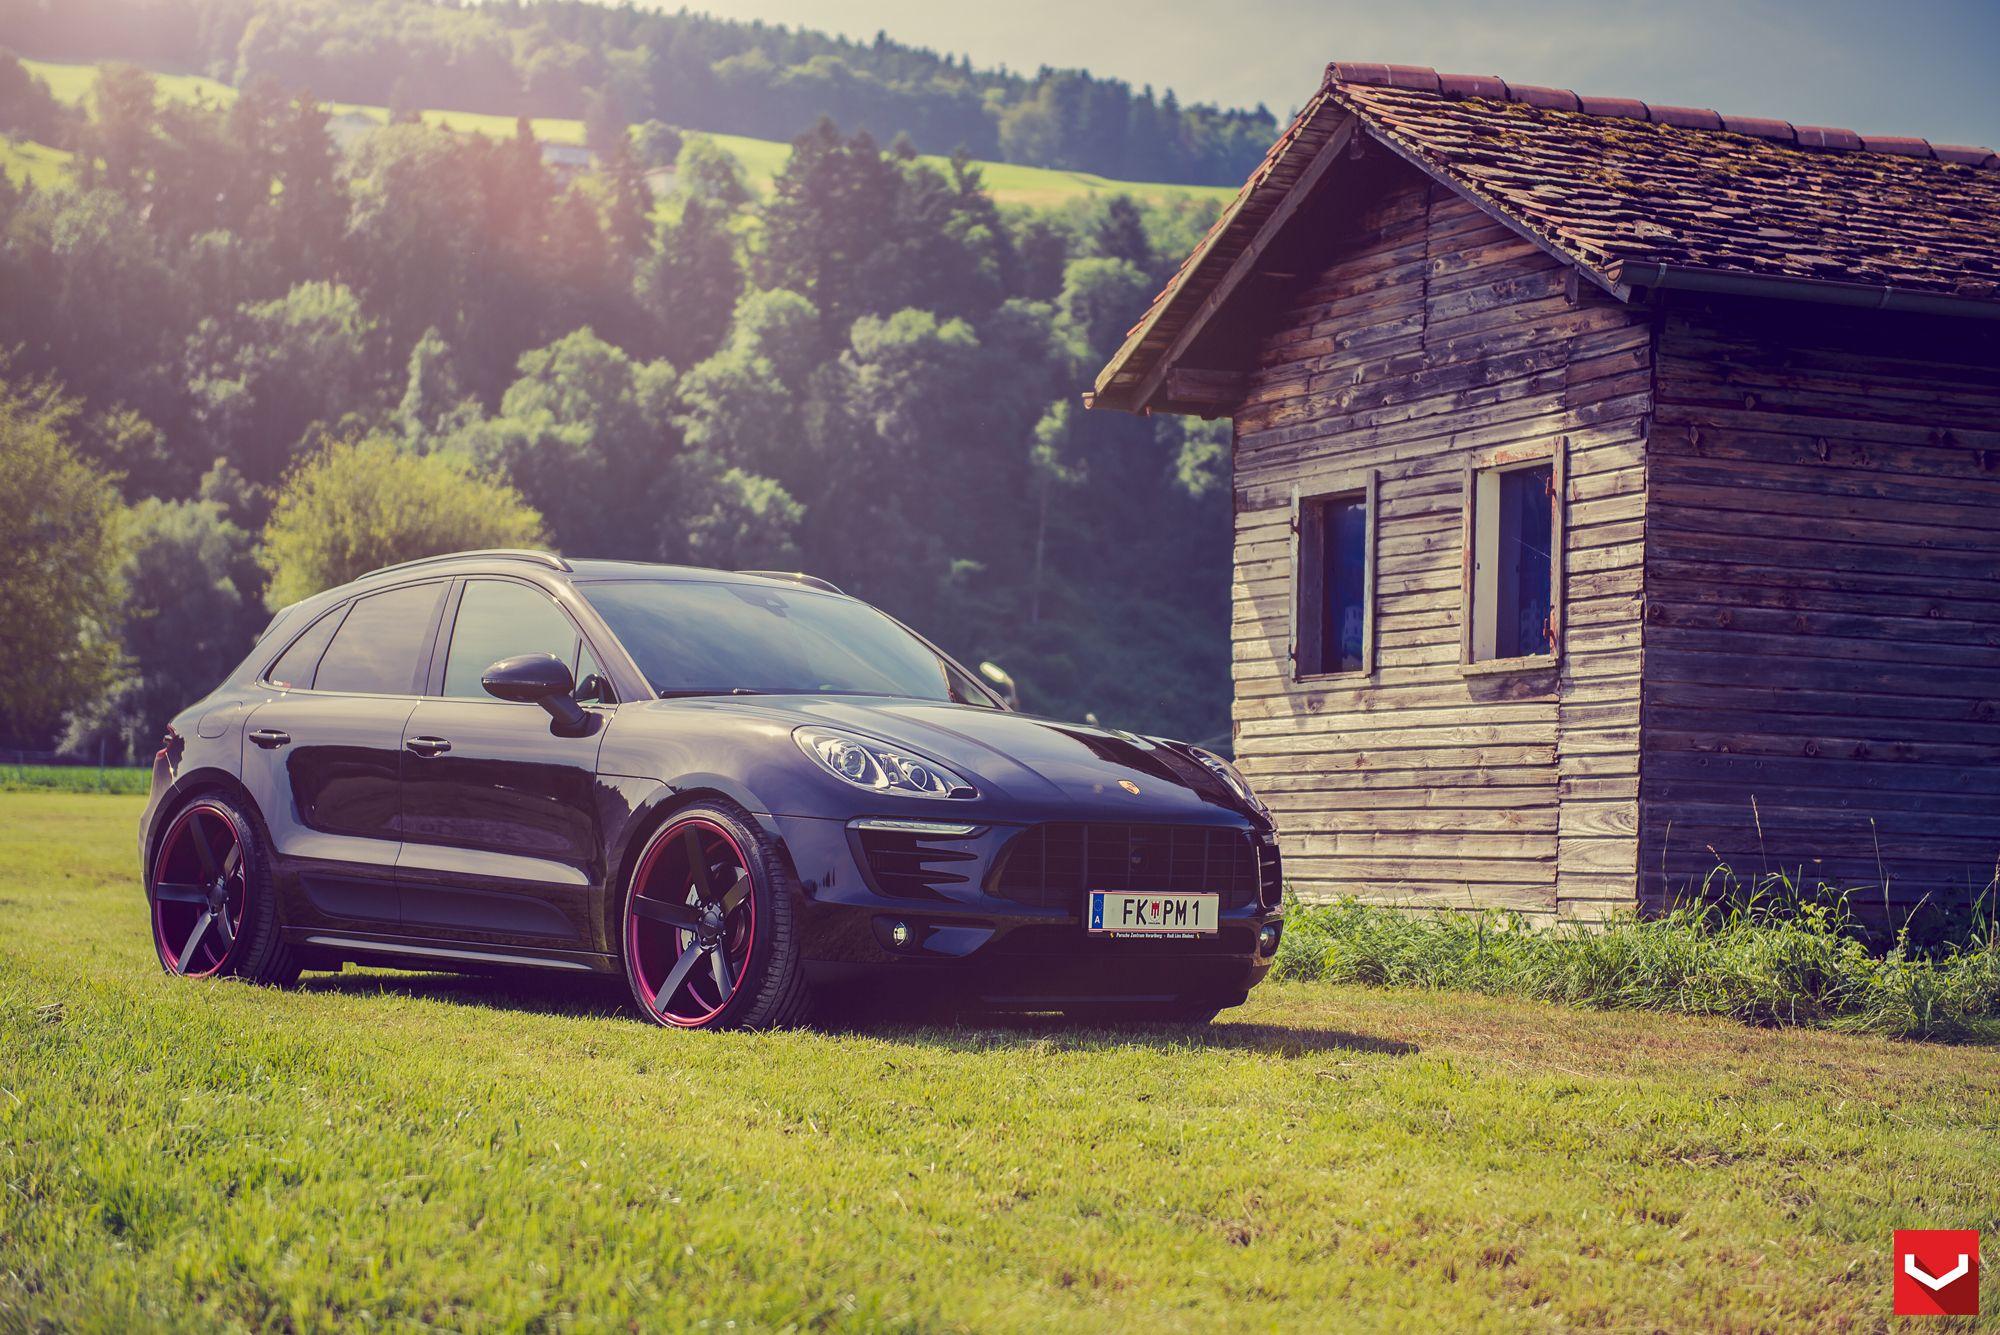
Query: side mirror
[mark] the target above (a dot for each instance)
(538, 679)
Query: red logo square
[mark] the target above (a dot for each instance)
(1937, 1271)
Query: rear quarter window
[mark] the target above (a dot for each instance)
(295, 667)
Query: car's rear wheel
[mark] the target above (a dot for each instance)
(709, 941)
(214, 913)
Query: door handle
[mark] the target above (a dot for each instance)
(270, 738)
(428, 746)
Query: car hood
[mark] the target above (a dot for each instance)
(1073, 766)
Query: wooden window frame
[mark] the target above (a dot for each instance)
(1555, 453)
(1367, 486)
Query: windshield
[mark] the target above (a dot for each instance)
(708, 638)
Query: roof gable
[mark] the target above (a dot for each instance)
(1636, 197)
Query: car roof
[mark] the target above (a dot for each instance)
(527, 560)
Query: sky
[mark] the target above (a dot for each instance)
(1922, 68)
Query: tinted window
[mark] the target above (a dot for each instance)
(498, 619)
(701, 638)
(1523, 594)
(1333, 593)
(379, 646)
(294, 667)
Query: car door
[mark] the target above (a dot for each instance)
(324, 758)
(500, 820)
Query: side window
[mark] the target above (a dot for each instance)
(295, 667)
(497, 619)
(1514, 536)
(1333, 583)
(379, 646)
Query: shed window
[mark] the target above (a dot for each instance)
(1333, 582)
(1514, 532)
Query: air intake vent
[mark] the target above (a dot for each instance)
(1051, 866)
(913, 866)
(1270, 875)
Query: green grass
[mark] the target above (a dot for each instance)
(1777, 961)
(74, 779)
(762, 159)
(387, 1150)
(25, 162)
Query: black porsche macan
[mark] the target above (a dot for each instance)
(741, 791)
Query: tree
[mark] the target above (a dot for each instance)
(1098, 299)
(1120, 234)
(656, 144)
(263, 380)
(59, 521)
(188, 614)
(27, 109)
(690, 281)
(706, 170)
(433, 401)
(358, 506)
(586, 432)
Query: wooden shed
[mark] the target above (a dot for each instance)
(1617, 495)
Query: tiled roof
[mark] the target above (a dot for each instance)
(1627, 192)
(1609, 180)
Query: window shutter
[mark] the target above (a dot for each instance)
(1292, 582)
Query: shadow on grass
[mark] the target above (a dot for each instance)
(607, 998)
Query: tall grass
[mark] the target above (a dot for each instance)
(1769, 960)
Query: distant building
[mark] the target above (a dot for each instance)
(566, 159)
(1617, 491)
(350, 127)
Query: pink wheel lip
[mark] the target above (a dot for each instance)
(639, 877)
(159, 866)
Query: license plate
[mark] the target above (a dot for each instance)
(1123, 913)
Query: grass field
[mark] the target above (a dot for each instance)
(74, 779)
(381, 1149)
(762, 159)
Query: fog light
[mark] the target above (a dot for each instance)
(1267, 938)
(899, 934)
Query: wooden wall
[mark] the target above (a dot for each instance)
(1418, 335)
(1823, 588)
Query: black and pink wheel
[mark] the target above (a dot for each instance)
(201, 892)
(706, 930)
(214, 913)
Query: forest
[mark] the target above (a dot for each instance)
(240, 362)
(564, 57)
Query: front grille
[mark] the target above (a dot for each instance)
(913, 866)
(1051, 866)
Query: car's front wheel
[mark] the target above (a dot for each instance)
(209, 888)
(709, 937)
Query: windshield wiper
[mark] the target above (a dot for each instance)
(686, 692)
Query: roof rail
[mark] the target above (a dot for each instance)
(798, 577)
(549, 559)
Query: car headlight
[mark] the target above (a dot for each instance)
(878, 766)
(1231, 777)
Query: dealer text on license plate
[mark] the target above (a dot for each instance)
(1129, 913)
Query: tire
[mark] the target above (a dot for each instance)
(213, 848)
(707, 917)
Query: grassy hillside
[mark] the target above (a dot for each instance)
(761, 158)
(398, 1150)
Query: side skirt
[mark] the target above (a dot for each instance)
(402, 952)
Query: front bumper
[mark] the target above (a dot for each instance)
(969, 941)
